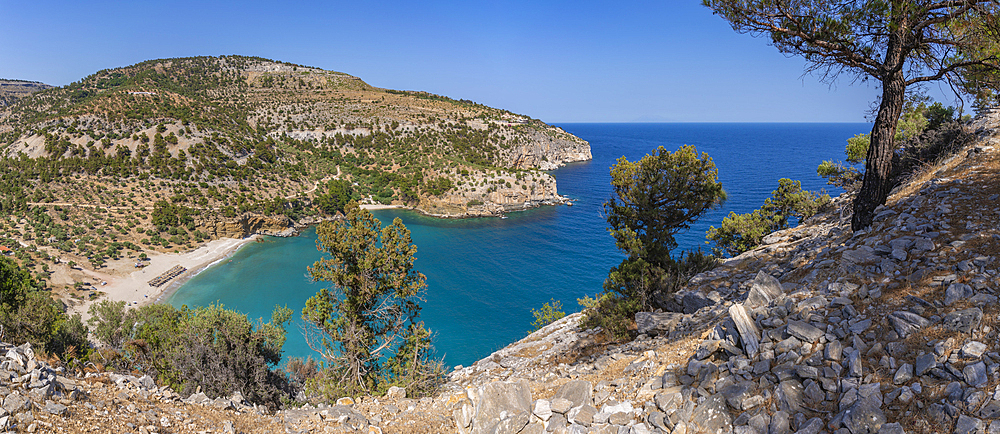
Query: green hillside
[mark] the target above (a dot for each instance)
(151, 156)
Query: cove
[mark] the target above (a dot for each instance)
(485, 275)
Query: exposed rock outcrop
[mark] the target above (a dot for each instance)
(246, 225)
(13, 90)
(499, 194)
(549, 148)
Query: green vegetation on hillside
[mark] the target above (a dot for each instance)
(231, 122)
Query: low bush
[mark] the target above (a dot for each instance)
(742, 232)
(29, 314)
(550, 312)
(614, 312)
(218, 350)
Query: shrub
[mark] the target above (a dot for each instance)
(29, 314)
(742, 232)
(302, 370)
(212, 348)
(613, 314)
(547, 314)
(221, 352)
(842, 176)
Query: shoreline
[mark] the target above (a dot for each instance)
(125, 283)
(169, 289)
(133, 287)
(374, 206)
(561, 200)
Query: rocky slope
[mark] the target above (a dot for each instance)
(888, 330)
(13, 90)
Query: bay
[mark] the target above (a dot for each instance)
(485, 275)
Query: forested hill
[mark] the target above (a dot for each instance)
(266, 136)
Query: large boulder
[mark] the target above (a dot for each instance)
(498, 397)
(764, 289)
(578, 392)
(656, 323)
(906, 323)
(692, 301)
(956, 292)
(804, 331)
(712, 416)
(963, 320)
(865, 416)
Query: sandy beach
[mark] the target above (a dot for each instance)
(373, 206)
(133, 288)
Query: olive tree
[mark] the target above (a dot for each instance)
(897, 43)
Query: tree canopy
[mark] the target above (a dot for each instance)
(338, 193)
(657, 197)
(15, 284)
(366, 327)
(899, 43)
(653, 199)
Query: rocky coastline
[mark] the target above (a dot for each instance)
(888, 330)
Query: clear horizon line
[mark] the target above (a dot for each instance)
(706, 122)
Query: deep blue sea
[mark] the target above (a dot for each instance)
(485, 275)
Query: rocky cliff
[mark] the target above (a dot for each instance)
(13, 90)
(493, 194)
(548, 148)
(246, 225)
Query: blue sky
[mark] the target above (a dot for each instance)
(579, 61)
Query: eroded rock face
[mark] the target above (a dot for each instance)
(493, 195)
(549, 149)
(246, 225)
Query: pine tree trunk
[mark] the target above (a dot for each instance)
(878, 166)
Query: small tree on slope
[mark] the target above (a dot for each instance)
(366, 328)
(653, 199)
(899, 43)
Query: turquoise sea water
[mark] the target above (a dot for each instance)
(485, 275)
